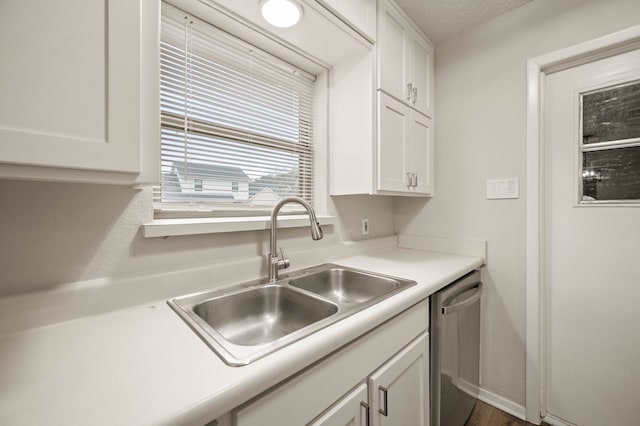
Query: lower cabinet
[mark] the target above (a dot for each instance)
(382, 378)
(352, 409)
(399, 390)
(397, 393)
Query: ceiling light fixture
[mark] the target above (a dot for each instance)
(281, 13)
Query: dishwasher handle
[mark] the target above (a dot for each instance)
(473, 298)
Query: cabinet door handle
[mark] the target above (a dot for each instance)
(415, 95)
(384, 412)
(409, 179)
(409, 91)
(366, 411)
(414, 180)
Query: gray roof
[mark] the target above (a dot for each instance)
(210, 170)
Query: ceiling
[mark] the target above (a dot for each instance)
(441, 19)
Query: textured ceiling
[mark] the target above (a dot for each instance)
(440, 19)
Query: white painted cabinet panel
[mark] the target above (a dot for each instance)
(399, 390)
(421, 153)
(405, 60)
(394, 128)
(360, 14)
(352, 410)
(393, 52)
(405, 148)
(422, 75)
(79, 93)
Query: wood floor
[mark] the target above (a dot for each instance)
(486, 415)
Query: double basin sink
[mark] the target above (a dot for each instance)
(249, 321)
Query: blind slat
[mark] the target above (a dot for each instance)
(236, 123)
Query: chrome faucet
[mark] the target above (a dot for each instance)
(280, 262)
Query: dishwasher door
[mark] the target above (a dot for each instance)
(455, 350)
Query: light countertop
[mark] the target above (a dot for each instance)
(144, 365)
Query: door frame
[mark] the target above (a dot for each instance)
(537, 70)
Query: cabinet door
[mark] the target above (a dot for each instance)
(393, 52)
(351, 410)
(71, 91)
(421, 71)
(422, 152)
(399, 390)
(393, 144)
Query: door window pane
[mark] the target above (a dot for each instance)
(611, 114)
(611, 174)
(610, 144)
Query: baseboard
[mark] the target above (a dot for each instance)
(556, 421)
(493, 399)
(475, 248)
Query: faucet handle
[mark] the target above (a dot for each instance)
(283, 261)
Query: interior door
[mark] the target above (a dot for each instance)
(592, 242)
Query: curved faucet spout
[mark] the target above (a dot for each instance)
(275, 263)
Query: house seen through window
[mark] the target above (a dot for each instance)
(236, 122)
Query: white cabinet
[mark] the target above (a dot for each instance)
(359, 14)
(405, 148)
(396, 394)
(399, 390)
(421, 148)
(382, 128)
(79, 90)
(337, 389)
(405, 60)
(351, 410)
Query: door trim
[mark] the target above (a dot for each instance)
(537, 69)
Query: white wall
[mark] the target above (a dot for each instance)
(480, 130)
(57, 233)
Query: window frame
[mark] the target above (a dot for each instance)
(317, 195)
(599, 146)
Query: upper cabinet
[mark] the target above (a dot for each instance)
(405, 149)
(359, 14)
(405, 60)
(79, 90)
(382, 113)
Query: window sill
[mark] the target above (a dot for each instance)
(195, 226)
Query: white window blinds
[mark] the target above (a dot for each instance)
(236, 122)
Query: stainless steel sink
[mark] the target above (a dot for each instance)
(251, 320)
(262, 314)
(346, 285)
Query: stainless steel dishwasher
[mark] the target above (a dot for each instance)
(455, 350)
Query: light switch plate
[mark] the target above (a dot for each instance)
(504, 188)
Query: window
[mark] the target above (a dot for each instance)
(610, 145)
(236, 122)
